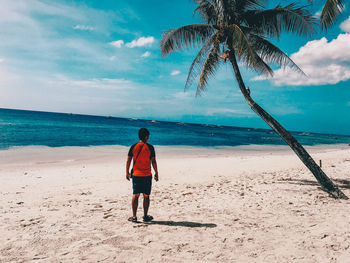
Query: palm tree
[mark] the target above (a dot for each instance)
(330, 11)
(239, 30)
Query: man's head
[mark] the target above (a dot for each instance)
(144, 134)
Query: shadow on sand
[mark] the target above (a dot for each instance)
(344, 184)
(180, 223)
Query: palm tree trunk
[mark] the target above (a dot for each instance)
(304, 156)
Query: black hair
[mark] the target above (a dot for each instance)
(143, 133)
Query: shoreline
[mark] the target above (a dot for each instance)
(248, 147)
(46, 154)
(172, 146)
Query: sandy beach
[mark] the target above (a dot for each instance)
(233, 204)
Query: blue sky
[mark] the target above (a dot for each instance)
(103, 58)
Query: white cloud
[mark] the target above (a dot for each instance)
(318, 13)
(84, 28)
(345, 26)
(141, 42)
(102, 83)
(175, 72)
(182, 95)
(146, 54)
(225, 111)
(2, 60)
(323, 62)
(117, 44)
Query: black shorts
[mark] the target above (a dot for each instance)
(142, 184)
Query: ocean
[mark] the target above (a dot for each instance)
(25, 128)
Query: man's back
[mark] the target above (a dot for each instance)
(142, 153)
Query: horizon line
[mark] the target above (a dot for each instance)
(175, 122)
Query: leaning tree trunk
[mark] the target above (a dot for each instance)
(304, 156)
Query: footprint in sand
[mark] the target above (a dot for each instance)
(86, 193)
(32, 221)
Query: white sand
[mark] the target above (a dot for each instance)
(242, 204)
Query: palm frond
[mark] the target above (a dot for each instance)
(209, 68)
(241, 44)
(186, 36)
(246, 51)
(259, 65)
(270, 53)
(245, 5)
(290, 18)
(220, 10)
(197, 63)
(330, 11)
(207, 11)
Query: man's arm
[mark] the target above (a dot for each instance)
(128, 162)
(154, 164)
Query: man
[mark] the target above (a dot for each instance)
(143, 155)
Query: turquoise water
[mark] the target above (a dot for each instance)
(23, 128)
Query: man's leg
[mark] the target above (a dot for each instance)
(146, 201)
(135, 203)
